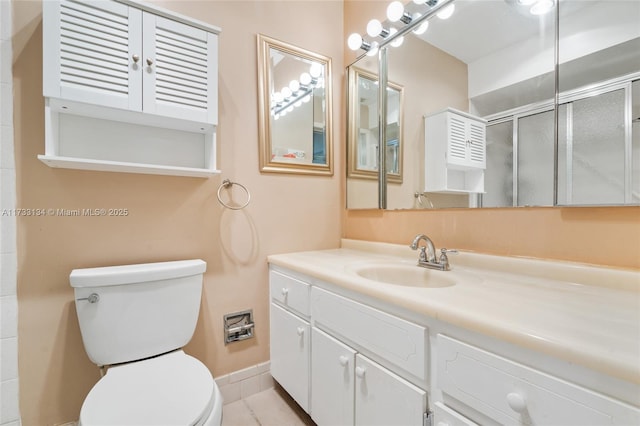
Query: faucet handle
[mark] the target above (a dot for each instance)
(444, 260)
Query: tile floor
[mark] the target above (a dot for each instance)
(272, 407)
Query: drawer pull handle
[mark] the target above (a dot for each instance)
(300, 331)
(343, 360)
(360, 372)
(517, 402)
(285, 292)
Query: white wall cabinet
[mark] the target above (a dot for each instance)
(455, 152)
(126, 63)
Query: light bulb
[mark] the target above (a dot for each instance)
(526, 2)
(541, 7)
(418, 1)
(447, 12)
(283, 113)
(294, 85)
(306, 99)
(395, 10)
(315, 70)
(374, 28)
(373, 50)
(305, 78)
(290, 108)
(286, 92)
(354, 41)
(422, 28)
(278, 97)
(398, 41)
(298, 103)
(276, 116)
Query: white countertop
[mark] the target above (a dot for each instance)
(583, 314)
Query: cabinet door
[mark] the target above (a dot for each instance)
(180, 70)
(290, 354)
(332, 380)
(457, 139)
(89, 51)
(385, 399)
(476, 135)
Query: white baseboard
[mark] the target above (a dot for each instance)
(243, 383)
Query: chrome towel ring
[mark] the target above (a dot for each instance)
(228, 184)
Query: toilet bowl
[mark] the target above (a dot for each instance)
(135, 319)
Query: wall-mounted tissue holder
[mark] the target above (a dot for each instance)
(238, 326)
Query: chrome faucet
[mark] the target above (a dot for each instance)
(427, 254)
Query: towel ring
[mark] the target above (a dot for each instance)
(228, 184)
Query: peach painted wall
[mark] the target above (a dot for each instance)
(169, 217)
(599, 235)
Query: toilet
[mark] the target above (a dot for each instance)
(135, 319)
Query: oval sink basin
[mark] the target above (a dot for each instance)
(405, 275)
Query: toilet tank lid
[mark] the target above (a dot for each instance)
(128, 274)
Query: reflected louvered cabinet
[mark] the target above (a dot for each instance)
(455, 152)
(128, 87)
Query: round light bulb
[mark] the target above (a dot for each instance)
(526, 2)
(397, 42)
(374, 49)
(422, 28)
(278, 97)
(305, 78)
(541, 7)
(286, 92)
(395, 10)
(418, 1)
(290, 108)
(276, 116)
(354, 41)
(315, 70)
(306, 99)
(283, 113)
(447, 12)
(294, 85)
(298, 103)
(374, 28)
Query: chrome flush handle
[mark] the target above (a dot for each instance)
(92, 298)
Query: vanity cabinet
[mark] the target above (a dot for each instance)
(364, 364)
(511, 393)
(128, 87)
(290, 335)
(455, 152)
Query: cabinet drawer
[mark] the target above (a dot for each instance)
(400, 342)
(289, 292)
(510, 393)
(445, 416)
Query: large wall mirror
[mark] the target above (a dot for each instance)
(492, 64)
(294, 109)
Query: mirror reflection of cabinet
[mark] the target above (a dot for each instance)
(454, 152)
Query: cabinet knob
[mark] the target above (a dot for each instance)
(284, 291)
(300, 331)
(360, 372)
(135, 58)
(517, 402)
(149, 61)
(343, 360)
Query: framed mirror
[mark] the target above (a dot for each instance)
(363, 127)
(295, 125)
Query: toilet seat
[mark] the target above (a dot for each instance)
(171, 389)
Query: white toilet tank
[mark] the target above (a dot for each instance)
(131, 312)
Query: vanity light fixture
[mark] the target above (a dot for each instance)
(398, 41)
(297, 92)
(395, 13)
(422, 28)
(355, 42)
(526, 2)
(375, 29)
(374, 49)
(446, 12)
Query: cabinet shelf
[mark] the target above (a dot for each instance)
(121, 166)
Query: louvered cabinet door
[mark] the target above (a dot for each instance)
(90, 51)
(477, 140)
(180, 72)
(457, 149)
